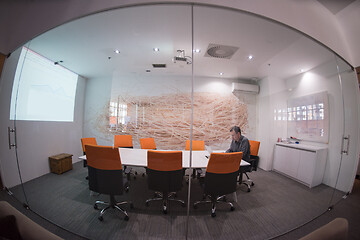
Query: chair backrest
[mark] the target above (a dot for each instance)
(105, 169)
(164, 170)
(88, 141)
(147, 143)
(123, 141)
(196, 145)
(221, 173)
(254, 147)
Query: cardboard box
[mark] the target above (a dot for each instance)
(60, 163)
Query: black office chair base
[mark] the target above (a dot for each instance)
(249, 183)
(213, 201)
(115, 205)
(165, 198)
(128, 173)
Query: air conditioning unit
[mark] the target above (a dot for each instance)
(246, 88)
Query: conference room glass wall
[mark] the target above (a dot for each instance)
(140, 71)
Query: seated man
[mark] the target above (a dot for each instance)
(239, 143)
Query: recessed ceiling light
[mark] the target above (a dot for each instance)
(301, 70)
(156, 49)
(117, 51)
(197, 50)
(221, 73)
(250, 57)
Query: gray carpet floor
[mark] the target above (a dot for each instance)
(275, 205)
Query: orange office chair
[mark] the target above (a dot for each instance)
(124, 141)
(254, 153)
(220, 178)
(254, 160)
(87, 141)
(147, 143)
(106, 176)
(165, 175)
(197, 145)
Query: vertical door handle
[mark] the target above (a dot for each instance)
(347, 139)
(11, 130)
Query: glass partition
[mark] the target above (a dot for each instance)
(178, 72)
(13, 166)
(347, 164)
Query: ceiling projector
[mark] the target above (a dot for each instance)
(181, 57)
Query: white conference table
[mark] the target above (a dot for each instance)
(138, 158)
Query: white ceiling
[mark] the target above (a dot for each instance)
(85, 45)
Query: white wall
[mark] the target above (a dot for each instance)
(36, 140)
(274, 94)
(97, 96)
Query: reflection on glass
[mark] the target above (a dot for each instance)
(129, 95)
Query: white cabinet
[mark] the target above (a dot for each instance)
(303, 163)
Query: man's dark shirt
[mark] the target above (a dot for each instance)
(242, 145)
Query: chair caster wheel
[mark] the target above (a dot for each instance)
(248, 190)
(135, 173)
(126, 189)
(213, 214)
(126, 218)
(96, 207)
(165, 211)
(232, 209)
(252, 184)
(143, 174)
(131, 206)
(183, 204)
(146, 204)
(101, 218)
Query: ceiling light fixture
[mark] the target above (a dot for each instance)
(301, 70)
(156, 49)
(117, 51)
(197, 50)
(221, 73)
(250, 57)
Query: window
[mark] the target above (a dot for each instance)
(308, 117)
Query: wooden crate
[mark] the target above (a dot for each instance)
(60, 163)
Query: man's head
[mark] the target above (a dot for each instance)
(235, 133)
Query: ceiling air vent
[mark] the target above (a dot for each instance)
(220, 51)
(159, 65)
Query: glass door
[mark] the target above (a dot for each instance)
(139, 83)
(347, 166)
(12, 171)
(297, 115)
(178, 72)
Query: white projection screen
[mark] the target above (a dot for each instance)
(42, 90)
